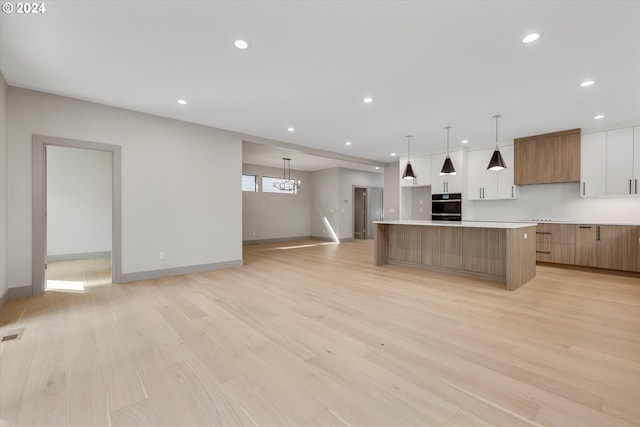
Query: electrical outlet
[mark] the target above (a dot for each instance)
(161, 256)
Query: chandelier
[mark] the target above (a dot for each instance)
(286, 183)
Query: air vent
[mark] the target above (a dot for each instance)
(13, 335)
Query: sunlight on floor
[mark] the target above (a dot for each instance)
(305, 246)
(65, 286)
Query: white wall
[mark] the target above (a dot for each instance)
(347, 179)
(4, 246)
(559, 202)
(325, 202)
(268, 216)
(391, 199)
(78, 201)
(176, 196)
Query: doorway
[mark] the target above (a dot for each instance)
(40, 145)
(78, 218)
(367, 207)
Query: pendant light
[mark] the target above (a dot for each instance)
(497, 162)
(408, 170)
(447, 167)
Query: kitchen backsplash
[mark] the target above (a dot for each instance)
(557, 202)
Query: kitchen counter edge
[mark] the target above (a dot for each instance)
(470, 224)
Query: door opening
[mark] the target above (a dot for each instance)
(367, 208)
(40, 250)
(78, 218)
(359, 213)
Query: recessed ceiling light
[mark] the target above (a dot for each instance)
(182, 102)
(393, 154)
(464, 141)
(587, 83)
(347, 143)
(291, 129)
(530, 38)
(377, 167)
(241, 44)
(367, 100)
(599, 116)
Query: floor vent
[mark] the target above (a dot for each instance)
(13, 335)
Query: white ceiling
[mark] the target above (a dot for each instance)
(427, 64)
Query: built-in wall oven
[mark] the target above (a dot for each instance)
(446, 207)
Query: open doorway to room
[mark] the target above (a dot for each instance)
(76, 214)
(367, 207)
(78, 219)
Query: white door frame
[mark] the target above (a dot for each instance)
(39, 204)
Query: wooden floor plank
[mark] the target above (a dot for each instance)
(313, 334)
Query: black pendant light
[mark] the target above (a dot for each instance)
(447, 167)
(497, 162)
(408, 170)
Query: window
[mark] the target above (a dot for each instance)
(267, 186)
(249, 183)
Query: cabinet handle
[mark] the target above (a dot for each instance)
(629, 186)
(543, 232)
(480, 192)
(512, 191)
(636, 185)
(585, 226)
(584, 185)
(598, 233)
(542, 252)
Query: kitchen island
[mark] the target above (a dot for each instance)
(503, 252)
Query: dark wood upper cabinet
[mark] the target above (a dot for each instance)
(548, 158)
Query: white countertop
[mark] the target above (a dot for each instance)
(567, 221)
(471, 224)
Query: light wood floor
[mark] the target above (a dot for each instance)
(318, 336)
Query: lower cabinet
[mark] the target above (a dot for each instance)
(586, 245)
(555, 243)
(614, 247)
(617, 247)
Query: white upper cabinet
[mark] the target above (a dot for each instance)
(610, 163)
(593, 164)
(484, 184)
(421, 167)
(506, 187)
(447, 183)
(477, 178)
(636, 163)
(620, 177)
